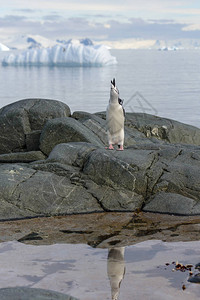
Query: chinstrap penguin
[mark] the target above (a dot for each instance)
(115, 116)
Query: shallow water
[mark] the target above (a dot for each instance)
(84, 272)
(86, 255)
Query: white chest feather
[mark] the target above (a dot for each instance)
(115, 118)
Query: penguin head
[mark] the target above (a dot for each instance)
(114, 90)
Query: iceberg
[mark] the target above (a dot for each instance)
(3, 47)
(70, 54)
(23, 42)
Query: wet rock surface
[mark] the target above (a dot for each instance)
(24, 293)
(102, 230)
(53, 164)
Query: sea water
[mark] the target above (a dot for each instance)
(163, 83)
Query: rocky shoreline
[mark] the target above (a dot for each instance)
(102, 230)
(53, 163)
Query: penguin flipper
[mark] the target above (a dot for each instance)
(121, 103)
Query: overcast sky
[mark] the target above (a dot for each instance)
(101, 20)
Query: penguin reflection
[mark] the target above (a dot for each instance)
(115, 269)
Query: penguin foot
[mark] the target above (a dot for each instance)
(111, 147)
(120, 148)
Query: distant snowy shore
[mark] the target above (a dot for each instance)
(30, 41)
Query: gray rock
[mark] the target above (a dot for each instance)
(26, 293)
(22, 157)
(19, 119)
(195, 278)
(64, 130)
(172, 170)
(159, 170)
(33, 140)
(79, 115)
(172, 203)
(103, 168)
(79, 177)
(98, 128)
(115, 199)
(26, 192)
(74, 154)
(96, 124)
(163, 129)
(119, 179)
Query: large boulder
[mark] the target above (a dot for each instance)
(64, 130)
(21, 123)
(74, 154)
(166, 178)
(94, 123)
(163, 129)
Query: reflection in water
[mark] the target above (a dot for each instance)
(115, 269)
(79, 270)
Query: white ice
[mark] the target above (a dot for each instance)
(69, 54)
(3, 47)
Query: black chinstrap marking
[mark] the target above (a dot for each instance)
(120, 101)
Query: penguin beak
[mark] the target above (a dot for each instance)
(113, 86)
(113, 82)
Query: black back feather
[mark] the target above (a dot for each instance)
(120, 101)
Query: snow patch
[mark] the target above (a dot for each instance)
(29, 41)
